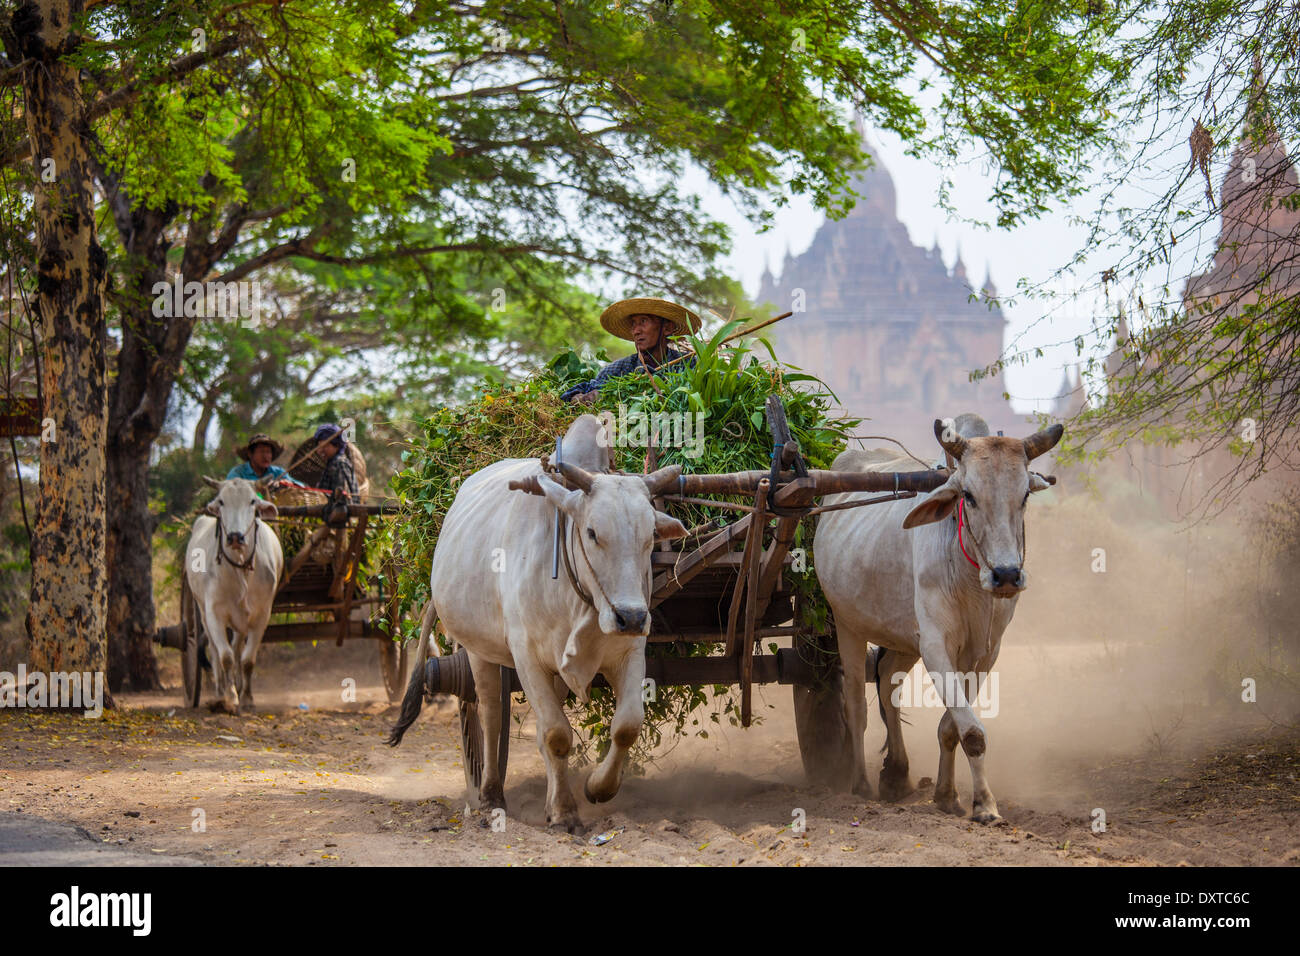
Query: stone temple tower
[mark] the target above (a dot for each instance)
(887, 326)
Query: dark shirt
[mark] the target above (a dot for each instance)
(339, 473)
(626, 366)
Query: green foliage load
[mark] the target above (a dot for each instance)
(729, 386)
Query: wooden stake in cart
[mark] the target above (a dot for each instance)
(742, 568)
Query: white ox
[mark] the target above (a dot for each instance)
(491, 587)
(943, 593)
(233, 567)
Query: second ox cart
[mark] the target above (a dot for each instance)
(323, 594)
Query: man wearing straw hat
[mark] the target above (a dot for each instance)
(647, 323)
(257, 453)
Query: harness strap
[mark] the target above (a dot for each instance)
(568, 563)
(961, 520)
(568, 567)
(221, 547)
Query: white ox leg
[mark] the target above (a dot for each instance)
(554, 736)
(238, 639)
(222, 659)
(945, 787)
(248, 657)
(629, 713)
(959, 723)
(853, 660)
(487, 687)
(985, 807)
(894, 781)
(952, 691)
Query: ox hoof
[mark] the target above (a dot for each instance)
(973, 743)
(598, 795)
(492, 798)
(568, 822)
(221, 707)
(894, 788)
(862, 788)
(987, 815)
(950, 804)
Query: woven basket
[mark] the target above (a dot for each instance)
(294, 532)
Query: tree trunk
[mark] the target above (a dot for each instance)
(131, 620)
(147, 366)
(66, 619)
(137, 407)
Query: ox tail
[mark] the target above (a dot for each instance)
(414, 698)
(876, 655)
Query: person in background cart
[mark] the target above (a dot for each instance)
(258, 454)
(332, 449)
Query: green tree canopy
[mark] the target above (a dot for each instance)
(432, 152)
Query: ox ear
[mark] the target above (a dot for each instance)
(211, 508)
(1037, 482)
(938, 506)
(668, 528)
(266, 509)
(564, 499)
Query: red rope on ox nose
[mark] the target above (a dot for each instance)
(961, 520)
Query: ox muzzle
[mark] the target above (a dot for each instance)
(1007, 580)
(630, 620)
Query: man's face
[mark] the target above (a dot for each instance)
(645, 331)
(260, 456)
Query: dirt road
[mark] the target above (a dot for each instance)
(316, 786)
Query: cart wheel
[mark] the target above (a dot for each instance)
(192, 646)
(392, 662)
(824, 738)
(471, 736)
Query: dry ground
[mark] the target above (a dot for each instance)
(316, 786)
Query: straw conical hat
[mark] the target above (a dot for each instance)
(617, 319)
(245, 451)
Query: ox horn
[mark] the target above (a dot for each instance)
(579, 476)
(658, 481)
(213, 482)
(956, 447)
(1044, 441)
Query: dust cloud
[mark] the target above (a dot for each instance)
(1130, 645)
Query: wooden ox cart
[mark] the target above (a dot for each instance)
(317, 599)
(730, 590)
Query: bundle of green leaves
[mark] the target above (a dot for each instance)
(726, 385)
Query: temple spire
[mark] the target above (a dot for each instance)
(990, 290)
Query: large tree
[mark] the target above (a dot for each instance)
(471, 146)
(66, 618)
(1196, 271)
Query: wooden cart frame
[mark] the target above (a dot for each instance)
(327, 593)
